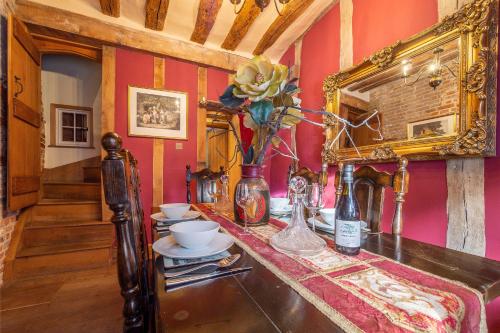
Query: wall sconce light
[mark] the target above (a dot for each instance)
(262, 4)
(434, 70)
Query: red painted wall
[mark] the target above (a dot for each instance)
(136, 69)
(217, 81)
(320, 57)
(376, 24)
(180, 76)
(278, 165)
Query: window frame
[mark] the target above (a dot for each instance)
(56, 111)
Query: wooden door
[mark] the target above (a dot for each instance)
(217, 148)
(24, 118)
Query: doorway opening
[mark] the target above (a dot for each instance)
(71, 99)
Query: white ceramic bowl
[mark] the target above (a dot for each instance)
(194, 234)
(328, 215)
(175, 210)
(280, 204)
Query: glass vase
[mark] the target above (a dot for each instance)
(258, 214)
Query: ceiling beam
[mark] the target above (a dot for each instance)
(291, 12)
(110, 7)
(76, 26)
(207, 13)
(156, 12)
(241, 24)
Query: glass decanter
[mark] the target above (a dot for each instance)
(297, 238)
(224, 203)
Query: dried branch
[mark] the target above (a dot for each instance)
(235, 133)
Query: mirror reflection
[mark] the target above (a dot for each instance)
(418, 97)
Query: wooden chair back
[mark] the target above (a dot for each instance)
(369, 188)
(203, 179)
(122, 194)
(320, 177)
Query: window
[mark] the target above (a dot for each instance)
(71, 126)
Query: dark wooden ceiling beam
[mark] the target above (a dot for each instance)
(207, 13)
(241, 24)
(291, 12)
(110, 7)
(156, 12)
(76, 27)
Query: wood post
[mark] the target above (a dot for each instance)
(466, 231)
(201, 129)
(108, 68)
(346, 43)
(465, 179)
(158, 146)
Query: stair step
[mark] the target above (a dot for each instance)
(42, 260)
(51, 224)
(92, 174)
(58, 248)
(66, 210)
(50, 232)
(81, 191)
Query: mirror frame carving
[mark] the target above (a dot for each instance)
(475, 24)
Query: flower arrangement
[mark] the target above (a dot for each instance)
(265, 94)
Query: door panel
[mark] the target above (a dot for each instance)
(24, 118)
(217, 148)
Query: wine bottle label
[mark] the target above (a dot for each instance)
(348, 233)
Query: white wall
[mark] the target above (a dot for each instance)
(75, 81)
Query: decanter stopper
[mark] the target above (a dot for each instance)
(298, 184)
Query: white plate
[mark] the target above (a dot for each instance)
(281, 212)
(321, 225)
(168, 247)
(190, 215)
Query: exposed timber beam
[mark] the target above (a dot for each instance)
(291, 12)
(207, 13)
(240, 26)
(77, 26)
(110, 7)
(156, 12)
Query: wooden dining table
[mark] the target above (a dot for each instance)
(259, 301)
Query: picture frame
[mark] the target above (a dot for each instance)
(433, 127)
(157, 113)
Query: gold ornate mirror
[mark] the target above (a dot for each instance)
(435, 94)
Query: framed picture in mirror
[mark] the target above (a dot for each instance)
(433, 127)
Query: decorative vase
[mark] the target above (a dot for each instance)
(251, 174)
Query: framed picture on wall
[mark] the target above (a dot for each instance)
(432, 127)
(157, 113)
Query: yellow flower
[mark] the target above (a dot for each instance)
(259, 79)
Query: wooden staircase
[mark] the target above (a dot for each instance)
(62, 233)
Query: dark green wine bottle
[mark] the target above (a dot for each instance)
(347, 217)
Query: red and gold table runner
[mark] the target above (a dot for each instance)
(365, 293)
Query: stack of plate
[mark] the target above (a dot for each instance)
(163, 222)
(320, 224)
(282, 212)
(168, 247)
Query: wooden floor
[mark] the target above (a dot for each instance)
(86, 301)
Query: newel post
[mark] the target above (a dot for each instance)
(117, 198)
